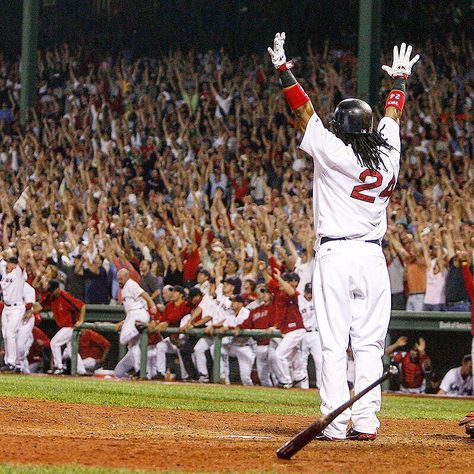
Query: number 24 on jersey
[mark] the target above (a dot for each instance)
(358, 191)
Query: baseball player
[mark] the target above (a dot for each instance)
(93, 349)
(24, 338)
(35, 361)
(239, 347)
(206, 313)
(138, 306)
(355, 171)
(68, 312)
(288, 320)
(468, 420)
(262, 317)
(172, 315)
(311, 341)
(13, 283)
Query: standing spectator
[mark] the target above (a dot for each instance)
(75, 281)
(435, 297)
(150, 282)
(415, 265)
(414, 365)
(203, 281)
(457, 298)
(458, 381)
(96, 281)
(396, 273)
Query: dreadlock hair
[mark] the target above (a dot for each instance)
(366, 147)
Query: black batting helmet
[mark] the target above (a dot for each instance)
(352, 116)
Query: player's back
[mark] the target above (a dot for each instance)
(350, 200)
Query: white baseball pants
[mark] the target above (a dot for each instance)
(124, 366)
(245, 357)
(200, 360)
(24, 340)
(130, 336)
(166, 347)
(311, 344)
(263, 365)
(67, 354)
(11, 319)
(352, 298)
(288, 354)
(62, 338)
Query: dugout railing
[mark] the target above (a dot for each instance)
(102, 318)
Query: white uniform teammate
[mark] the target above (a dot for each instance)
(311, 344)
(25, 338)
(12, 283)
(136, 303)
(355, 172)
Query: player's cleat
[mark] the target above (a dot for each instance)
(468, 422)
(158, 376)
(297, 382)
(58, 371)
(354, 435)
(8, 368)
(323, 437)
(203, 379)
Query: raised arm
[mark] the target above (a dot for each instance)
(399, 71)
(295, 95)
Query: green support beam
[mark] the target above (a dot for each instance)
(368, 57)
(216, 363)
(29, 43)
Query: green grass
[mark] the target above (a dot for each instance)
(211, 397)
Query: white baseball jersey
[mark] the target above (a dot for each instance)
(29, 294)
(307, 313)
(350, 200)
(12, 284)
(131, 298)
(209, 308)
(454, 384)
(305, 272)
(224, 304)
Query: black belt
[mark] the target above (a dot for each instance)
(330, 239)
(311, 330)
(14, 304)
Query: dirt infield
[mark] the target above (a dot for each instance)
(40, 432)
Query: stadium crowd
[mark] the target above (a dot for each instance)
(185, 171)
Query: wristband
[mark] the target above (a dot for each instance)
(396, 99)
(28, 306)
(295, 96)
(285, 66)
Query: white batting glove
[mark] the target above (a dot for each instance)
(278, 52)
(402, 64)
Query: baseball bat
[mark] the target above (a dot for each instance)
(300, 440)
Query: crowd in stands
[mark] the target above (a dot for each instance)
(186, 168)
